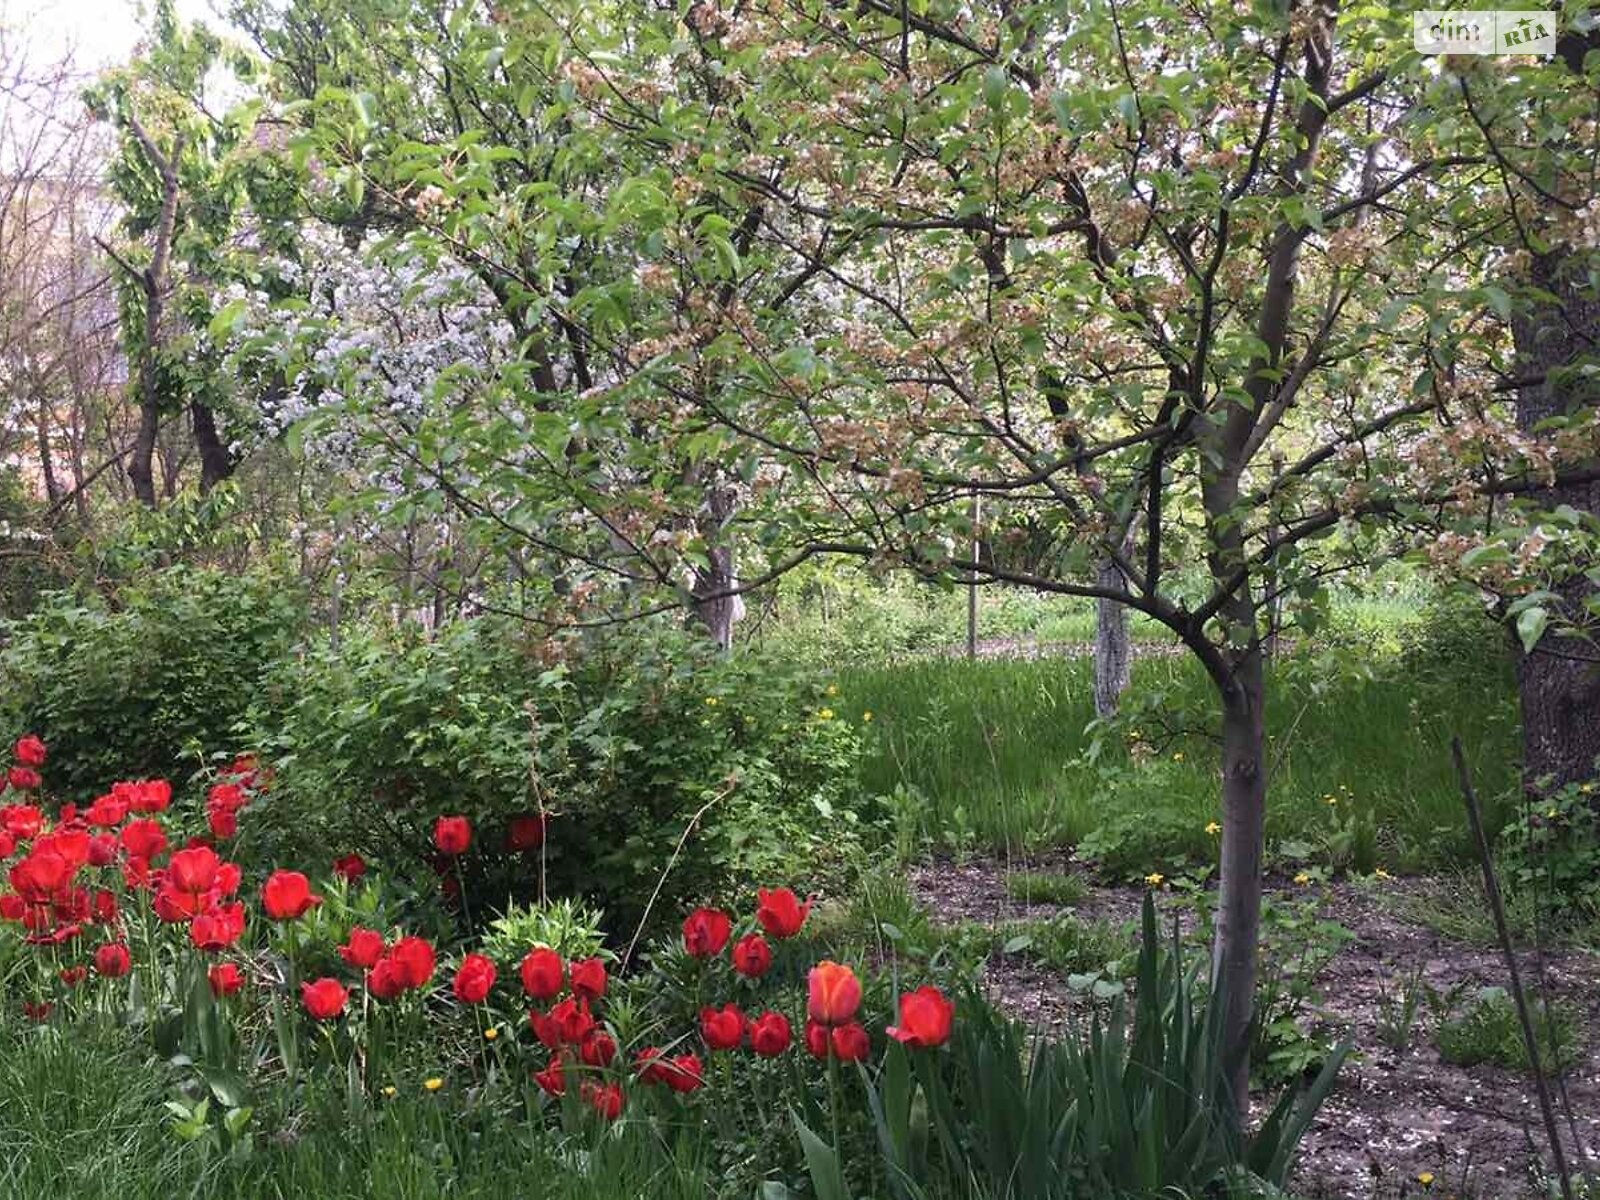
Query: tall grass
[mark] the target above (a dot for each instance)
(998, 749)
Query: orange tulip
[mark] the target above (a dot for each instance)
(835, 994)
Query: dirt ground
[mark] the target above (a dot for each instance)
(1393, 1116)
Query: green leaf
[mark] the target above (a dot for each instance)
(1531, 624)
(822, 1164)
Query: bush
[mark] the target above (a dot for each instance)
(630, 745)
(147, 683)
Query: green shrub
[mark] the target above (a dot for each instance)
(634, 744)
(1489, 1031)
(1551, 851)
(147, 684)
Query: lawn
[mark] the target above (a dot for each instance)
(1002, 753)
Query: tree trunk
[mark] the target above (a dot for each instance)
(1559, 682)
(714, 607)
(1113, 655)
(1244, 810)
(216, 464)
(141, 459)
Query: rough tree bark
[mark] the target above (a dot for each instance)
(1113, 655)
(216, 464)
(1559, 682)
(714, 607)
(153, 282)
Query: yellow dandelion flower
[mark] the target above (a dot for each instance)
(434, 1084)
(1214, 828)
(1302, 879)
(866, 717)
(490, 1034)
(1177, 756)
(1155, 879)
(1425, 1179)
(389, 1091)
(1380, 873)
(833, 689)
(824, 714)
(712, 702)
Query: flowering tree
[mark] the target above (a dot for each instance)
(1193, 273)
(201, 201)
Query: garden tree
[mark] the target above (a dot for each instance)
(503, 176)
(1535, 124)
(1090, 264)
(57, 322)
(202, 200)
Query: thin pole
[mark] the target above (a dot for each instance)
(1491, 887)
(972, 588)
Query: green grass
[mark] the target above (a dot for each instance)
(996, 751)
(1046, 887)
(1489, 1031)
(83, 1116)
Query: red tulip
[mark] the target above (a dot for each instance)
(706, 932)
(102, 850)
(474, 979)
(229, 876)
(219, 928)
(226, 979)
(143, 839)
(29, 750)
(780, 912)
(324, 999)
(553, 1079)
(146, 795)
(588, 979)
(452, 835)
(22, 821)
(604, 1098)
(835, 993)
(24, 779)
(850, 1042)
(413, 960)
(524, 833)
(684, 1073)
(723, 1029)
(752, 956)
(223, 823)
(193, 871)
(107, 812)
(383, 981)
(363, 948)
(73, 976)
(817, 1039)
(103, 909)
(12, 907)
(650, 1065)
(8, 846)
(37, 1011)
(112, 961)
(573, 1021)
(545, 1028)
(541, 973)
(598, 1049)
(287, 896)
(770, 1034)
(925, 1018)
(350, 868)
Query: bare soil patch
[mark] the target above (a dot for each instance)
(1394, 1115)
